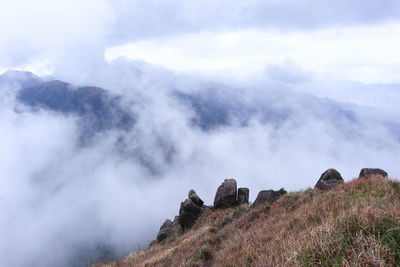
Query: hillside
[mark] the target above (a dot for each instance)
(355, 224)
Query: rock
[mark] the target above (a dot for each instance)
(164, 230)
(329, 179)
(226, 221)
(368, 172)
(195, 198)
(188, 214)
(265, 196)
(226, 194)
(243, 196)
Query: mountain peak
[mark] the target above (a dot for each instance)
(23, 78)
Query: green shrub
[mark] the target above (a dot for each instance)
(282, 191)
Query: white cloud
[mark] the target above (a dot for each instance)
(341, 38)
(363, 53)
(36, 30)
(141, 19)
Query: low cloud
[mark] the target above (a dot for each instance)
(59, 199)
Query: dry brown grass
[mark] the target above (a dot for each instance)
(356, 224)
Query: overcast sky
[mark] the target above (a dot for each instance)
(352, 40)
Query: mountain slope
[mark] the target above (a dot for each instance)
(355, 224)
(100, 109)
(19, 78)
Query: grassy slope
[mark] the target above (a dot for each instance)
(356, 224)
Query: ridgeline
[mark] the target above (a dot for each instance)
(356, 223)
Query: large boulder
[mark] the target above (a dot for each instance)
(368, 172)
(195, 198)
(164, 230)
(243, 196)
(226, 194)
(188, 214)
(329, 179)
(265, 196)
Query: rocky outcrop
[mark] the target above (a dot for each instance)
(226, 194)
(368, 172)
(243, 196)
(195, 198)
(164, 230)
(329, 179)
(265, 196)
(188, 214)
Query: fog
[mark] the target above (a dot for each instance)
(59, 199)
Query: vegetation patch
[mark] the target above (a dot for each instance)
(354, 224)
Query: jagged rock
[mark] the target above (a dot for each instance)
(368, 172)
(226, 194)
(243, 196)
(265, 196)
(195, 198)
(188, 214)
(164, 230)
(329, 179)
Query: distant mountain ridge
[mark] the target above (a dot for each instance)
(214, 106)
(99, 108)
(20, 78)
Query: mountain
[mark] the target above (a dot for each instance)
(218, 106)
(97, 107)
(356, 223)
(213, 107)
(19, 78)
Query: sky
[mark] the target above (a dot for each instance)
(355, 40)
(58, 195)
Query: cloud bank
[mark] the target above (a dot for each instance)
(38, 36)
(60, 200)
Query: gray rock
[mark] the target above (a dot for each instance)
(195, 198)
(329, 179)
(164, 230)
(368, 172)
(226, 221)
(226, 194)
(243, 196)
(265, 196)
(188, 214)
